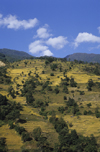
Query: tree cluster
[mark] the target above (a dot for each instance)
(9, 110)
(71, 141)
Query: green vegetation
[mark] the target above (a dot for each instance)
(50, 104)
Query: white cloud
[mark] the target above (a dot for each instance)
(13, 23)
(43, 32)
(47, 53)
(86, 37)
(37, 47)
(57, 42)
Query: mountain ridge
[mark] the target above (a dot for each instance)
(84, 57)
(14, 55)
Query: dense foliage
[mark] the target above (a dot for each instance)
(9, 110)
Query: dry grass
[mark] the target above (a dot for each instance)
(84, 125)
(12, 138)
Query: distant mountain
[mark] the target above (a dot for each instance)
(13, 55)
(84, 57)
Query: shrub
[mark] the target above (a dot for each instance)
(85, 112)
(49, 88)
(3, 146)
(37, 133)
(98, 115)
(53, 67)
(82, 93)
(89, 104)
(70, 124)
(61, 109)
(51, 74)
(90, 112)
(56, 90)
(65, 89)
(73, 83)
(78, 113)
(43, 72)
(19, 129)
(65, 98)
(29, 98)
(90, 84)
(25, 136)
(11, 125)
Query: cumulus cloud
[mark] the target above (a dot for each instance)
(47, 53)
(57, 42)
(43, 32)
(86, 37)
(12, 22)
(37, 47)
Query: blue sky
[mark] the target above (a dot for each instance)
(50, 27)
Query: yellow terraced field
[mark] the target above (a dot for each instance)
(83, 124)
(13, 139)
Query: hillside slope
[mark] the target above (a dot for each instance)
(13, 55)
(84, 57)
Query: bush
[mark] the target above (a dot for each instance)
(19, 129)
(43, 72)
(45, 85)
(39, 103)
(85, 112)
(49, 88)
(78, 113)
(61, 109)
(82, 93)
(98, 115)
(70, 124)
(25, 136)
(89, 104)
(51, 74)
(65, 98)
(3, 100)
(65, 89)
(11, 125)
(90, 84)
(56, 90)
(53, 67)
(73, 83)
(37, 133)
(3, 146)
(90, 112)
(29, 98)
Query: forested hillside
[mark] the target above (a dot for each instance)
(50, 104)
(95, 58)
(13, 55)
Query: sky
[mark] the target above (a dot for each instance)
(50, 27)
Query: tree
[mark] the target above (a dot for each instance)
(29, 98)
(37, 133)
(90, 84)
(56, 90)
(3, 146)
(3, 100)
(73, 83)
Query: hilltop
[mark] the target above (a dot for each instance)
(84, 57)
(13, 55)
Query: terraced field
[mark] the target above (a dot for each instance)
(83, 124)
